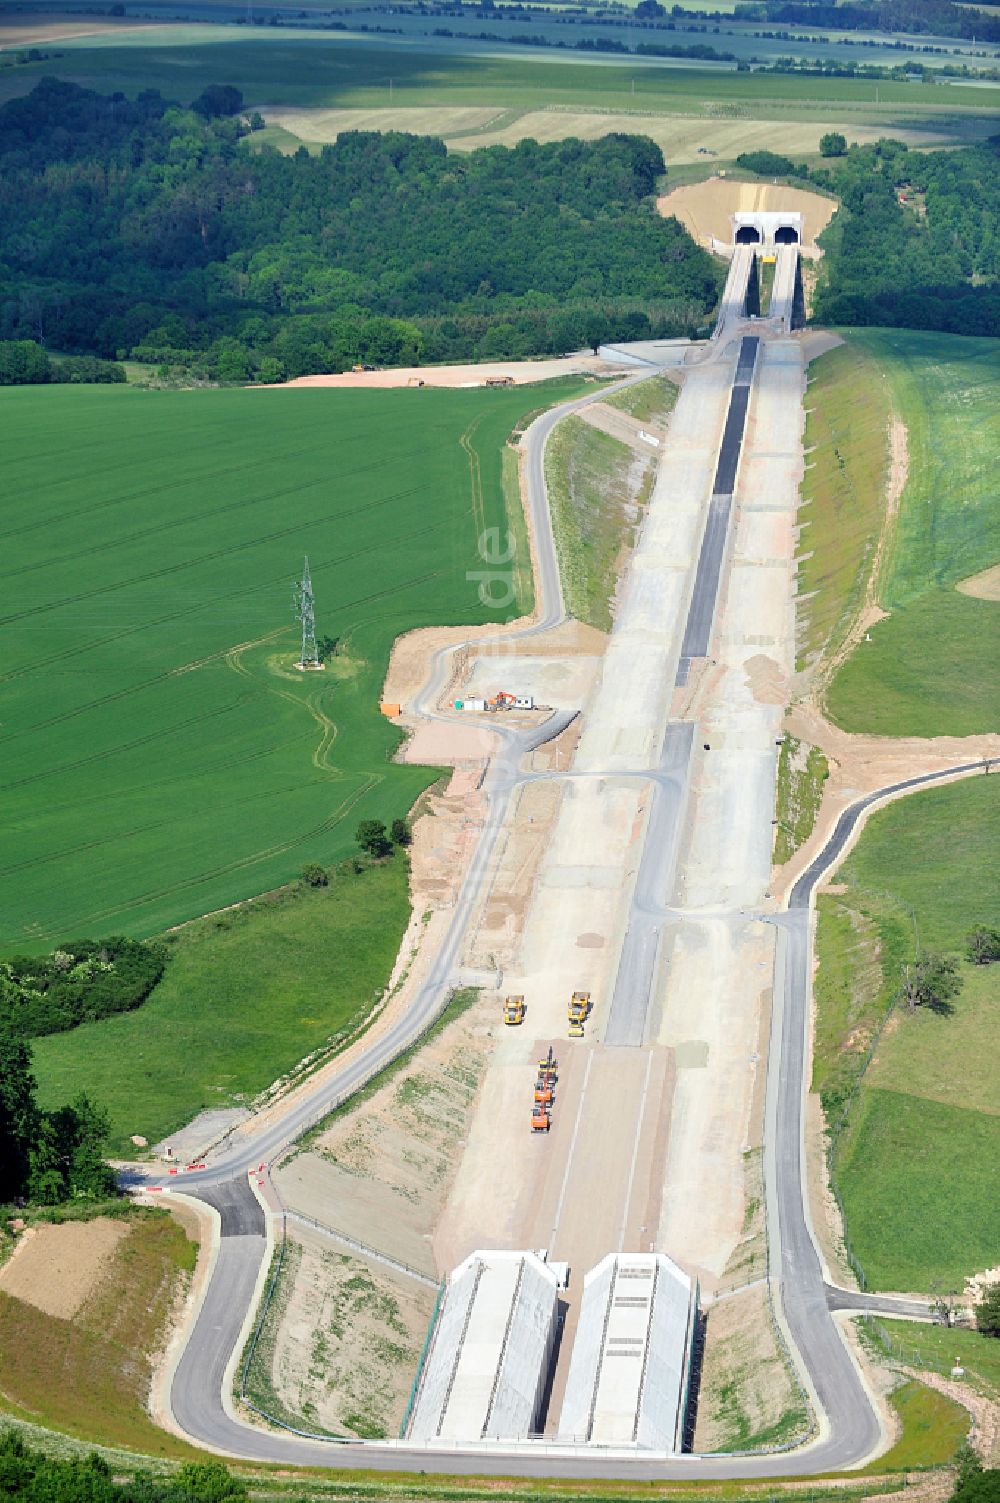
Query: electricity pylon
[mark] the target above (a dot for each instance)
(302, 595)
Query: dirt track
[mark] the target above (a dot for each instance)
(520, 372)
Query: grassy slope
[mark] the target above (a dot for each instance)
(594, 506)
(802, 771)
(933, 1428)
(937, 1348)
(920, 1185)
(916, 1164)
(246, 996)
(592, 515)
(930, 667)
(646, 401)
(89, 1376)
(162, 756)
(842, 494)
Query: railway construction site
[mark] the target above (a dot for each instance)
(575, 1259)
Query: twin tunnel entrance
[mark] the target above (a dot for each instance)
(749, 234)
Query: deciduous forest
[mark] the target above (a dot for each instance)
(140, 228)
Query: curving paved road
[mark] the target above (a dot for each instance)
(850, 1430)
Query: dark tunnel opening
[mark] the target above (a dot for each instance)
(747, 235)
(786, 234)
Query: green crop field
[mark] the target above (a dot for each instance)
(162, 755)
(930, 668)
(316, 68)
(916, 1161)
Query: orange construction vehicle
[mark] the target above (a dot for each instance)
(543, 1093)
(540, 1120)
(501, 701)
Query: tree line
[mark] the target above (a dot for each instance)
(137, 227)
(24, 363)
(47, 1157)
(924, 17)
(80, 982)
(30, 1475)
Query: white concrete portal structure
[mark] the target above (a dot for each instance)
(767, 227)
(487, 1364)
(629, 1374)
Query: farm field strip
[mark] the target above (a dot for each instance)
(682, 137)
(316, 70)
(162, 756)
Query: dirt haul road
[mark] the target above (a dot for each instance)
(655, 831)
(576, 930)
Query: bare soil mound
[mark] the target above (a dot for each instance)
(984, 586)
(704, 208)
(515, 372)
(55, 1268)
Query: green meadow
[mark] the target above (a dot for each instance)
(162, 755)
(248, 994)
(930, 667)
(917, 1159)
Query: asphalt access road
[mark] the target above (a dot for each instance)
(877, 1304)
(853, 1429)
(243, 1150)
(800, 896)
(196, 1392)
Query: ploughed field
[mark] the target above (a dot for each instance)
(162, 755)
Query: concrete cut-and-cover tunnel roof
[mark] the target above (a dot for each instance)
(488, 1359)
(631, 1364)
